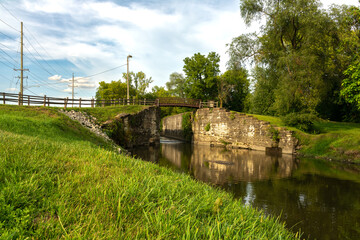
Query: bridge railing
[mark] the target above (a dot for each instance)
(30, 100)
(175, 101)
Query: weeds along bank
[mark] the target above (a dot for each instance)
(57, 179)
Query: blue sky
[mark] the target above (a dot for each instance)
(92, 36)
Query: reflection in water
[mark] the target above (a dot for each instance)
(220, 166)
(310, 196)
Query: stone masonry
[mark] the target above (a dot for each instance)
(129, 130)
(219, 127)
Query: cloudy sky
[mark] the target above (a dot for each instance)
(90, 37)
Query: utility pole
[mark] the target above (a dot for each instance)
(127, 81)
(72, 92)
(21, 65)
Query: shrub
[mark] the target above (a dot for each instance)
(302, 121)
(207, 127)
(186, 126)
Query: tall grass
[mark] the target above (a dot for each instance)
(58, 180)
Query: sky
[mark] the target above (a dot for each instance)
(92, 39)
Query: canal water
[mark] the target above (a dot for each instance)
(319, 198)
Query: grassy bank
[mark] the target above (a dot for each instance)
(58, 180)
(336, 140)
(103, 114)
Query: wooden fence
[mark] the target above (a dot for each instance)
(12, 98)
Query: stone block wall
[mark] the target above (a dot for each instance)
(129, 130)
(218, 127)
(172, 127)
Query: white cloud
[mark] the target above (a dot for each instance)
(67, 90)
(55, 78)
(86, 85)
(93, 36)
(11, 90)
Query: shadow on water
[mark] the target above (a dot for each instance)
(319, 198)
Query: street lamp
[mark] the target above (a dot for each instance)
(127, 81)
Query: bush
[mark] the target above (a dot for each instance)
(302, 121)
(207, 127)
(187, 126)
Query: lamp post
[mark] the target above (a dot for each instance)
(127, 81)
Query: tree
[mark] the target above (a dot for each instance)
(299, 55)
(141, 83)
(351, 85)
(113, 90)
(176, 85)
(233, 88)
(201, 76)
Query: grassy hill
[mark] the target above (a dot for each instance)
(58, 180)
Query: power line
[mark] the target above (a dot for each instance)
(5, 63)
(9, 12)
(41, 56)
(45, 50)
(102, 72)
(5, 77)
(10, 26)
(9, 56)
(37, 62)
(7, 36)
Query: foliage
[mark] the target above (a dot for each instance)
(56, 182)
(207, 127)
(113, 90)
(351, 85)
(169, 111)
(139, 82)
(299, 56)
(275, 134)
(303, 121)
(186, 126)
(118, 89)
(201, 76)
(102, 114)
(176, 85)
(233, 89)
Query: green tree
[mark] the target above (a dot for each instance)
(201, 76)
(299, 55)
(113, 90)
(351, 85)
(176, 85)
(141, 83)
(233, 88)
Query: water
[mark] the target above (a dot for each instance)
(321, 199)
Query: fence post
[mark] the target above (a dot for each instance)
(48, 101)
(200, 104)
(65, 102)
(92, 102)
(28, 100)
(80, 103)
(19, 96)
(4, 98)
(144, 101)
(44, 100)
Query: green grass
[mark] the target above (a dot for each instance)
(58, 180)
(337, 140)
(102, 114)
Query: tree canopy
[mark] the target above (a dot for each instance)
(299, 56)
